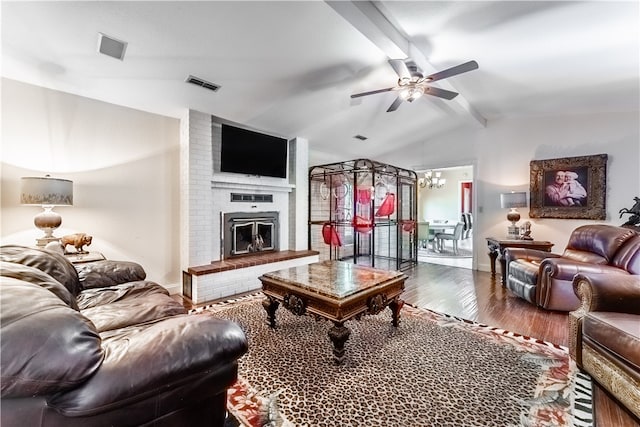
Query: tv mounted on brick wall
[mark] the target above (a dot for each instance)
(253, 153)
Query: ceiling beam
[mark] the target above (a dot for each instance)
(368, 19)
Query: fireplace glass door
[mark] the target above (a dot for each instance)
(253, 236)
(264, 231)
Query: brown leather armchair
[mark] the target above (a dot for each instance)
(545, 279)
(605, 334)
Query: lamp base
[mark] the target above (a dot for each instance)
(47, 221)
(44, 241)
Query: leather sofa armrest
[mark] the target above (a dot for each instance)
(102, 274)
(601, 292)
(143, 359)
(565, 269)
(606, 292)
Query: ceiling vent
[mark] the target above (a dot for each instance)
(111, 47)
(361, 137)
(201, 82)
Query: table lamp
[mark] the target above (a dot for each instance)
(46, 192)
(512, 201)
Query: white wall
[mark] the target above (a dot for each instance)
(124, 165)
(125, 168)
(501, 153)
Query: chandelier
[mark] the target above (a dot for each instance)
(432, 180)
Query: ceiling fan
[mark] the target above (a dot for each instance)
(412, 84)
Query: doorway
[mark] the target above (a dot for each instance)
(445, 199)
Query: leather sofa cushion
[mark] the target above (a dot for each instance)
(584, 256)
(100, 296)
(628, 257)
(40, 278)
(46, 345)
(152, 357)
(599, 239)
(109, 273)
(619, 333)
(54, 264)
(132, 309)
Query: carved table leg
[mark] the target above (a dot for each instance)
(396, 306)
(503, 270)
(493, 254)
(339, 334)
(271, 305)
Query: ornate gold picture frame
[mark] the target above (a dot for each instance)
(569, 188)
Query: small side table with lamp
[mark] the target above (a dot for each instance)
(514, 239)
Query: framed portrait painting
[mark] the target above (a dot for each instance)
(569, 188)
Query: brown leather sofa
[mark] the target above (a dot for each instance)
(101, 346)
(546, 279)
(605, 334)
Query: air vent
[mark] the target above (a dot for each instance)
(361, 137)
(242, 197)
(201, 82)
(111, 47)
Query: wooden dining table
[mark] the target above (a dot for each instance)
(440, 227)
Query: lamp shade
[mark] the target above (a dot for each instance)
(46, 191)
(513, 200)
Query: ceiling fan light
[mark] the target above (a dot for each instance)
(415, 93)
(405, 93)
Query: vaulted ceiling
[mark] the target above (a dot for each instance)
(289, 68)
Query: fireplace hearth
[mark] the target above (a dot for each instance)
(249, 233)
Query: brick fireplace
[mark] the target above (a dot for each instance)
(208, 195)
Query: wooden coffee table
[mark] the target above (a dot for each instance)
(333, 290)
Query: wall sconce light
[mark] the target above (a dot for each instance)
(46, 192)
(432, 180)
(512, 201)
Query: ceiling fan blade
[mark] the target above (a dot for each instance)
(357, 95)
(400, 67)
(449, 72)
(395, 105)
(440, 93)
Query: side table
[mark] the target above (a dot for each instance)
(497, 247)
(77, 258)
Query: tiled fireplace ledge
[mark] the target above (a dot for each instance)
(222, 279)
(248, 261)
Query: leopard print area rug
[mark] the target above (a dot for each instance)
(432, 370)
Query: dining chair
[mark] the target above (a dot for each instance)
(465, 220)
(454, 237)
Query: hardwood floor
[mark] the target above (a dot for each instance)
(475, 295)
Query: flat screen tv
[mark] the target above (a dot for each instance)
(253, 153)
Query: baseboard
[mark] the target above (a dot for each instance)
(173, 288)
